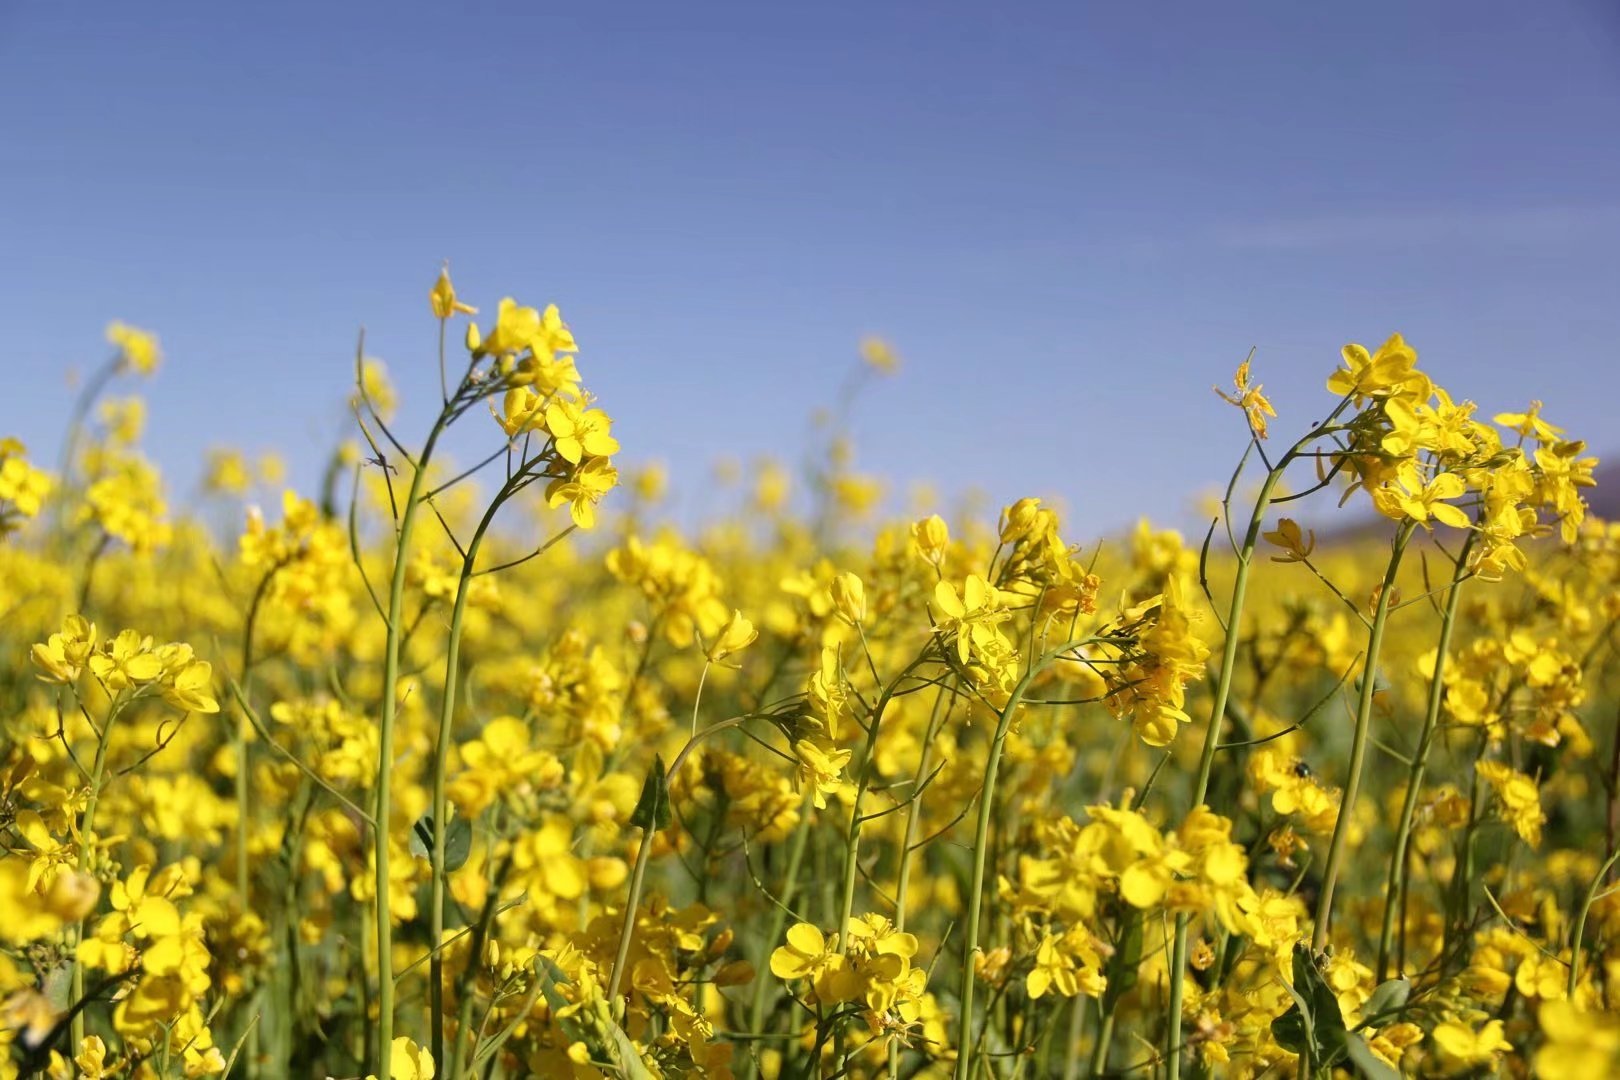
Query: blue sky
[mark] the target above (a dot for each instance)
(1071, 219)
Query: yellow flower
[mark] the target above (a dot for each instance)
(21, 484)
(1295, 543)
(1067, 964)
(271, 469)
(228, 472)
(1413, 497)
(1463, 1047)
(30, 1014)
(580, 431)
(1518, 800)
(651, 481)
(502, 761)
(583, 490)
(1530, 424)
(737, 636)
(407, 1061)
(879, 355)
(1578, 1045)
(443, 298)
(521, 410)
(771, 487)
(518, 329)
(123, 419)
(63, 656)
(50, 855)
(972, 614)
(1126, 848)
(191, 688)
(808, 954)
(875, 934)
(92, 1059)
(804, 955)
(828, 690)
(125, 661)
(1391, 370)
(137, 349)
(1251, 399)
(821, 766)
(515, 326)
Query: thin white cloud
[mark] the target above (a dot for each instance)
(1520, 225)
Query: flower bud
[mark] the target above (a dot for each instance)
(931, 537)
(849, 597)
(735, 973)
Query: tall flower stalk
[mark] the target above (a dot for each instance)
(385, 734)
(439, 879)
(981, 843)
(1359, 739)
(1395, 892)
(1219, 696)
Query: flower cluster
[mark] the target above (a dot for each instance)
(812, 789)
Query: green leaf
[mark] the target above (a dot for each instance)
(652, 809)
(1314, 1020)
(1387, 997)
(58, 986)
(1292, 1029)
(1126, 962)
(457, 841)
(1380, 683)
(1230, 954)
(1368, 1065)
(623, 1053)
(552, 979)
(594, 1026)
(1327, 1020)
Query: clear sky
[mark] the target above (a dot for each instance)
(1070, 218)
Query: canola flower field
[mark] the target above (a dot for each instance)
(458, 768)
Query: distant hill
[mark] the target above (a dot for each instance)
(1605, 498)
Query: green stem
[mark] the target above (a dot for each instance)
(703, 677)
(1071, 1052)
(464, 985)
(981, 846)
(1358, 745)
(441, 759)
(1217, 712)
(638, 875)
(93, 387)
(846, 908)
(1579, 931)
(1212, 738)
(1105, 1038)
(925, 761)
(243, 780)
(1463, 875)
(250, 1061)
(1395, 893)
(385, 739)
(790, 884)
(90, 564)
(87, 825)
(447, 707)
(914, 815)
